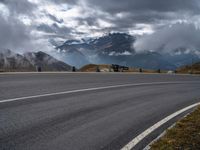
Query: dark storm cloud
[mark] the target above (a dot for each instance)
(55, 30)
(115, 6)
(144, 11)
(121, 16)
(71, 2)
(52, 17)
(133, 12)
(89, 21)
(45, 28)
(13, 34)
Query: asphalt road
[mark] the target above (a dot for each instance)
(88, 120)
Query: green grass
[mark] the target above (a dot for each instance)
(185, 135)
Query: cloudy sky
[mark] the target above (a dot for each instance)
(28, 25)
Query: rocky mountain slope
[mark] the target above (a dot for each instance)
(10, 61)
(46, 62)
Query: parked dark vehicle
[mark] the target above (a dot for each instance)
(118, 68)
(73, 69)
(39, 69)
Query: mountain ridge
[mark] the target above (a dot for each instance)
(10, 61)
(118, 48)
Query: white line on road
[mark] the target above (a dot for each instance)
(144, 134)
(92, 89)
(65, 72)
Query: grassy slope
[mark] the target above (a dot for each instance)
(185, 135)
(195, 68)
(106, 67)
(93, 67)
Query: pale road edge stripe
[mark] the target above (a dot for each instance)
(148, 131)
(93, 89)
(124, 73)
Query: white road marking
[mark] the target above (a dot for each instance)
(124, 73)
(92, 89)
(141, 136)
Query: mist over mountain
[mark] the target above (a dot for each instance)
(119, 48)
(46, 62)
(81, 52)
(10, 61)
(112, 48)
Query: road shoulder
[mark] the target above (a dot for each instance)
(185, 134)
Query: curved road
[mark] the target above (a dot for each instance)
(92, 119)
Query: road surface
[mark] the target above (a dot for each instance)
(88, 117)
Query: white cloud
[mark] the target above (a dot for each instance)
(181, 36)
(4, 11)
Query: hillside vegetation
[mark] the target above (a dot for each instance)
(184, 135)
(194, 69)
(108, 68)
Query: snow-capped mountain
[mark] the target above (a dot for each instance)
(118, 48)
(79, 53)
